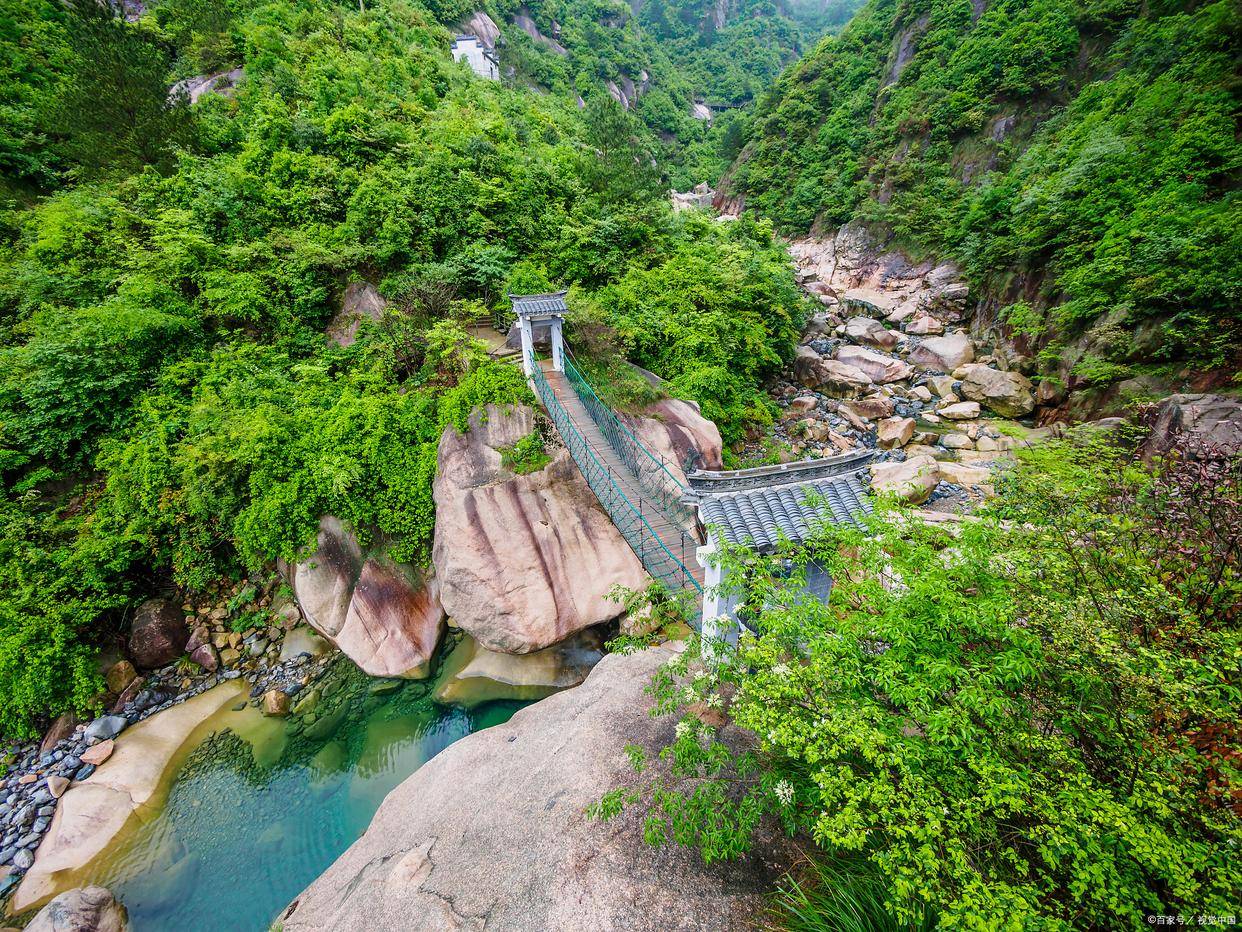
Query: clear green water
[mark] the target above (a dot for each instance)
(264, 806)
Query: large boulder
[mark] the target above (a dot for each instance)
(84, 909)
(943, 354)
(158, 635)
(1009, 394)
(676, 431)
(1215, 419)
(830, 376)
(472, 674)
(385, 616)
(359, 302)
(912, 481)
(878, 367)
(869, 330)
(493, 831)
(523, 561)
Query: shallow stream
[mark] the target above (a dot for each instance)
(263, 806)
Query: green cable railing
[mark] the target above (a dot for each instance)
(657, 559)
(662, 487)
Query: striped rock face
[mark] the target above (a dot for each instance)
(523, 561)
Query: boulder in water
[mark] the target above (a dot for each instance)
(85, 909)
(493, 826)
(473, 674)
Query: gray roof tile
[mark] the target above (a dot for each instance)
(761, 518)
(553, 303)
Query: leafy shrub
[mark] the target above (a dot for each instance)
(1022, 721)
(527, 455)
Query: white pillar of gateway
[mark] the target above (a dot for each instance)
(558, 343)
(720, 625)
(528, 347)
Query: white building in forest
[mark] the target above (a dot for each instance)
(480, 57)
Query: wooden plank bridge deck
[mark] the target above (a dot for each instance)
(677, 540)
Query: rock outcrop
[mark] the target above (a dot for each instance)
(158, 634)
(677, 431)
(1216, 419)
(492, 833)
(223, 83)
(472, 675)
(523, 561)
(85, 909)
(359, 302)
(384, 616)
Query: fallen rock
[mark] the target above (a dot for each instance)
(523, 561)
(869, 330)
(871, 408)
(120, 675)
(870, 300)
(158, 635)
(61, 729)
(959, 410)
(276, 703)
(85, 909)
(384, 616)
(955, 440)
(494, 826)
(924, 326)
(943, 354)
(965, 475)
(831, 376)
(875, 366)
(99, 753)
(359, 302)
(206, 657)
(1009, 394)
(473, 675)
(894, 432)
(911, 481)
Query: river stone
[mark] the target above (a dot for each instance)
(104, 728)
(90, 815)
(473, 675)
(943, 354)
(276, 703)
(959, 410)
(206, 657)
(878, 367)
(894, 432)
(158, 635)
(523, 561)
(494, 826)
(911, 481)
(1009, 394)
(56, 785)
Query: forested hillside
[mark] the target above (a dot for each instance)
(1079, 160)
(170, 409)
(685, 67)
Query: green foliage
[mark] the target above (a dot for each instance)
(1019, 722)
(718, 316)
(527, 455)
(1090, 150)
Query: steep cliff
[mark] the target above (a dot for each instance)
(1077, 161)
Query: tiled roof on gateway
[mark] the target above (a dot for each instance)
(536, 304)
(762, 508)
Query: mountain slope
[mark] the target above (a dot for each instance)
(1079, 161)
